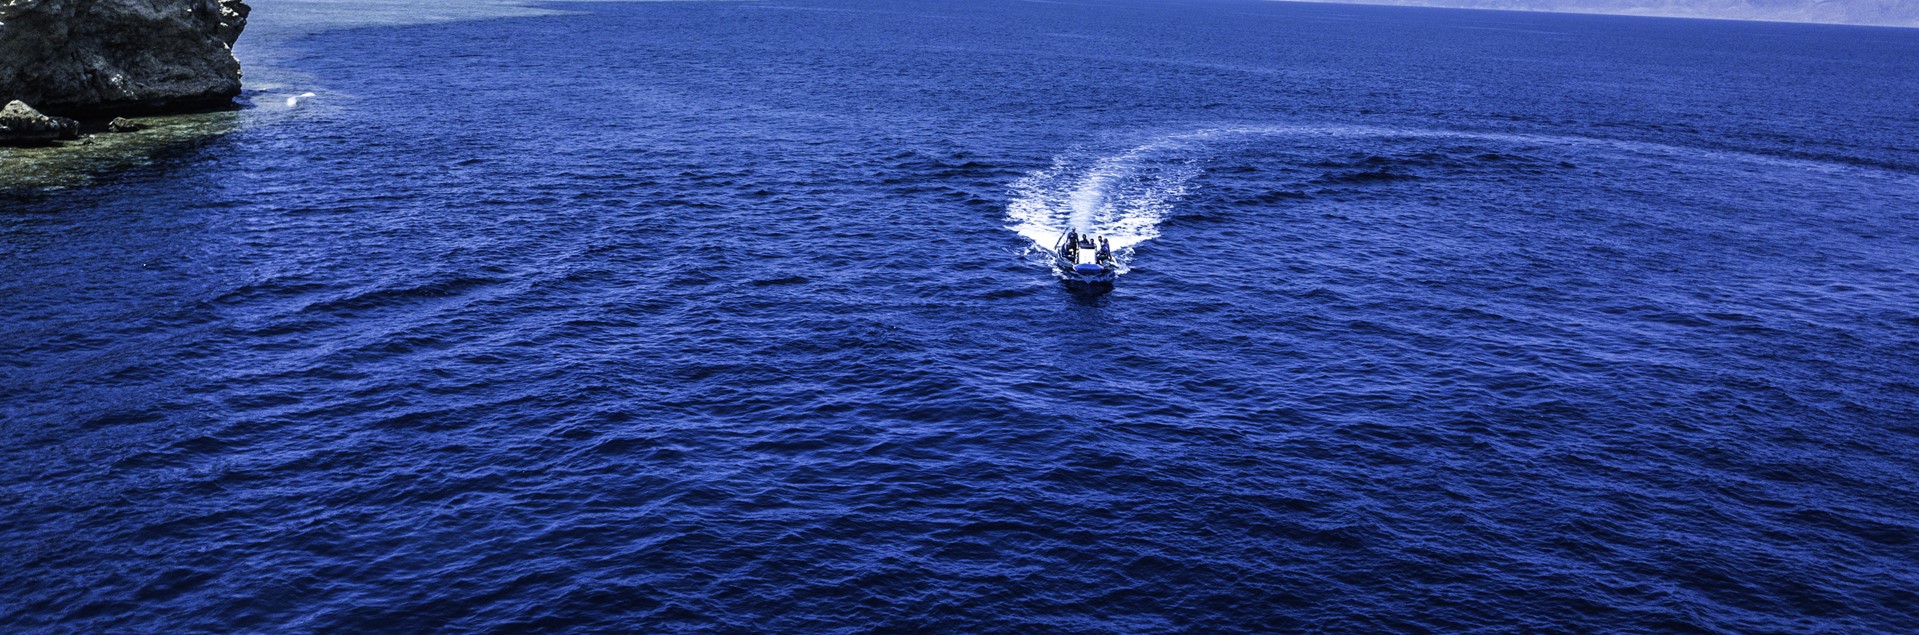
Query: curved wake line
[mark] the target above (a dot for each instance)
(1121, 197)
(1125, 196)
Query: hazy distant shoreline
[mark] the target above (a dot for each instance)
(1889, 13)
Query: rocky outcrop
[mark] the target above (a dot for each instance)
(104, 57)
(20, 124)
(123, 124)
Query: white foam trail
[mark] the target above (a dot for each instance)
(1125, 196)
(1122, 197)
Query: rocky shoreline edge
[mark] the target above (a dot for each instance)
(72, 72)
(21, 125)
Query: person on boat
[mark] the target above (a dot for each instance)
(1071, 249)
(1105, 249)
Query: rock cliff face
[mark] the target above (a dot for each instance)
(99, 57)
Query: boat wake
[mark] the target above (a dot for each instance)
(1125, 196)
(1121, 197)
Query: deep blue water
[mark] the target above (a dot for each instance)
(724, 317)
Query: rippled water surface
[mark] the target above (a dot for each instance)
(715, 316)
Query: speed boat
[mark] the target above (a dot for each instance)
(1084, 260)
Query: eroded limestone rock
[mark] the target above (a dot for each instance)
(102, 57)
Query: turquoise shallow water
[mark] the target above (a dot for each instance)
(725, 317)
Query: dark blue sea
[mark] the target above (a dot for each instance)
(729, 317)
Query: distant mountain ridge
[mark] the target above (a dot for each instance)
(1873, 12)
